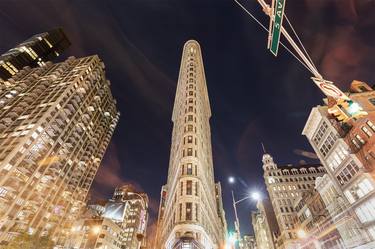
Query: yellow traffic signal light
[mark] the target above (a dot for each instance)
(338, 112)
(346, 109)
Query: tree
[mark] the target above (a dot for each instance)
(27, 241)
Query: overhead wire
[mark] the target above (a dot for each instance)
(282, 44)
(300, 42)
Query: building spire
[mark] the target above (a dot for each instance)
(264, 150)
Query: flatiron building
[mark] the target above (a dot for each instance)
(191, 214)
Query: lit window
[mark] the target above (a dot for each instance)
(189, 169)
(189, 186)
(371, 125)
(360, 139)
(188, 211)
(366, 131)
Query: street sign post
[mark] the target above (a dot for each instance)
(278, 21)
(329, 89)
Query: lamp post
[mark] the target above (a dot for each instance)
(254, 196)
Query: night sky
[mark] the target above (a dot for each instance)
(254, 96)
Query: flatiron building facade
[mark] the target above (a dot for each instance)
(191, 213)
(56, 122)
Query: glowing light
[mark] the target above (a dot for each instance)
(354, 108)
(231, 179)
(96, 229)
(231, 240)
(301, 234)
(256, 196)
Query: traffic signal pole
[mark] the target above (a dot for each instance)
(345, 109)
(269, 12)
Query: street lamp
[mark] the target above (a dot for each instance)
(301, 234)
(255, 196)
(231, 179)
(96, 229)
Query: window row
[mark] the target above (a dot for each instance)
(191, 86)
(190, 128)
(337, 157)
(328, 144)
(190, 109)
(292, 179)
(188, 212)
(189, 188)
(320, 133)
(358, 141)
(189, 152)
(190, 140)
(359, 190)
(188, 169)
(366, 211)
(347, 173)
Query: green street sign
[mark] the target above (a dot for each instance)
(276, 30)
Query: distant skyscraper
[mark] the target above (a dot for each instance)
(115, 224)
(191, 213)
(284, 185)
(265, 225)
(347, 151)
(56, 122)
(135, 216)
(33, 52)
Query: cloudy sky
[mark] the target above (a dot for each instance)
(254, 96)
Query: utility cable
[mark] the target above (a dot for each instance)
(300, 42)
(257, 21)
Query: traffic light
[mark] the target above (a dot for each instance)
(346, 109)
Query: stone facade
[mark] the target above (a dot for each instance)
(284, 185)
(191, 205)
(265, 225)
(315, 223)
(347, 152)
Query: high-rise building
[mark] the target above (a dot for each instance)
(33, 52)
(56, 123)
(92, 230)
(284, 185)
(265, 225)
(191, 213)
(135, 215)
(347, 152)
(118, 223)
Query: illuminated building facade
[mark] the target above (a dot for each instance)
(191, 212)
(284, 185)
(347, 152)
(265, 225)
(315, 223)
(135, 215)
(248, 242)
(33, 52)
(120, 222)
(94, 231)
(56, 123)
